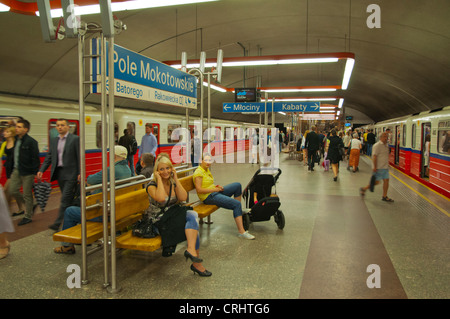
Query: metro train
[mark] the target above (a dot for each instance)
(420, 146)
(225, 137)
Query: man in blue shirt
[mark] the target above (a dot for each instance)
(149, 144)
(72, 215)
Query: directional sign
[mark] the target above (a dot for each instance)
(260, 107)
(139, 77)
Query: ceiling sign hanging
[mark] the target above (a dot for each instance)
(139, 77)
(260, 107)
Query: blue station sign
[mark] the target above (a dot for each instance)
(139, 77)
(260, 107)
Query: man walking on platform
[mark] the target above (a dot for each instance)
(312, 143)
(64, 158)
(26, 165)
(380, 166)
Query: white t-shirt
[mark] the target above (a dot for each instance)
(355, 144)
(381, 151)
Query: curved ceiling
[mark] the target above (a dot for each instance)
(400, 68)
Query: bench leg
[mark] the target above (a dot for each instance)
(208, 222)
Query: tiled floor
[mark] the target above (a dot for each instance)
(332, 235)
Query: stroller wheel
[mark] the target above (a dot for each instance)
(279, 219)
(246, 221)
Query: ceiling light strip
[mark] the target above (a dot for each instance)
(302, 99)
(267, 60)
(92, 7)
(288, 89)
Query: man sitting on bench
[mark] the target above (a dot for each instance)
(72, 215)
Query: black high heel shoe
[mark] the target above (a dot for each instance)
(193, 258)
(205, 273)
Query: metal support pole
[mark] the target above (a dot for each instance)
(187, 138)
(112, 173)
(265, 110)
(209, 113)
(200, 100)
(84, 279)
(104, 163)
(273, 113)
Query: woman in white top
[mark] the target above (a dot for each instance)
(355, 148)
(346, 140)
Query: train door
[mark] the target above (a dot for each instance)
(425, 154)
(397, 144)
(155, 131)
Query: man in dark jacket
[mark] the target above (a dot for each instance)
(26, 165)
(129, 142)
(312, 143)
(64, 158)
(370, 141)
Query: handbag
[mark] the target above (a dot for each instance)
(373, 179)
(172, 224)
(144, 228)
(317, 157)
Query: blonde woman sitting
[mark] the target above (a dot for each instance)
(165, 193)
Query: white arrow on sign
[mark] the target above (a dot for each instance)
(316, 106)
(226, 107)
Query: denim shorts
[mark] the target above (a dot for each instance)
(382, 174)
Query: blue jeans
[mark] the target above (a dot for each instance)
(223, 199)
(369, 149)
(72, 217)
(191, 223)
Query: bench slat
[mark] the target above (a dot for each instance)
(94, 230)
(204, 210)
(128, 241)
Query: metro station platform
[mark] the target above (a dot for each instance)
(332, 235)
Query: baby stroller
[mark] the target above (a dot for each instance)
(268, 203)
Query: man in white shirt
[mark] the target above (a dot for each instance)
(380, 166)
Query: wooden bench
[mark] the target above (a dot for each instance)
(201, 209)
(130, 203)
(128, 241)
(94, 230)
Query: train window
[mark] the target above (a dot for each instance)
(98, 134)
(443, 141)
(218, 133)
(413, 136)
(173, 135)
(52, 132)
(131, 127)
(390, 132)
(404, 136)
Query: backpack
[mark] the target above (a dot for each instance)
(133, 146)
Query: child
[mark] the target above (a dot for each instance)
(326, 162)
(147, 160)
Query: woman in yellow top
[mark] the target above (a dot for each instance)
(211, 194)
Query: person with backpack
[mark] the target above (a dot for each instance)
(129, 142)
